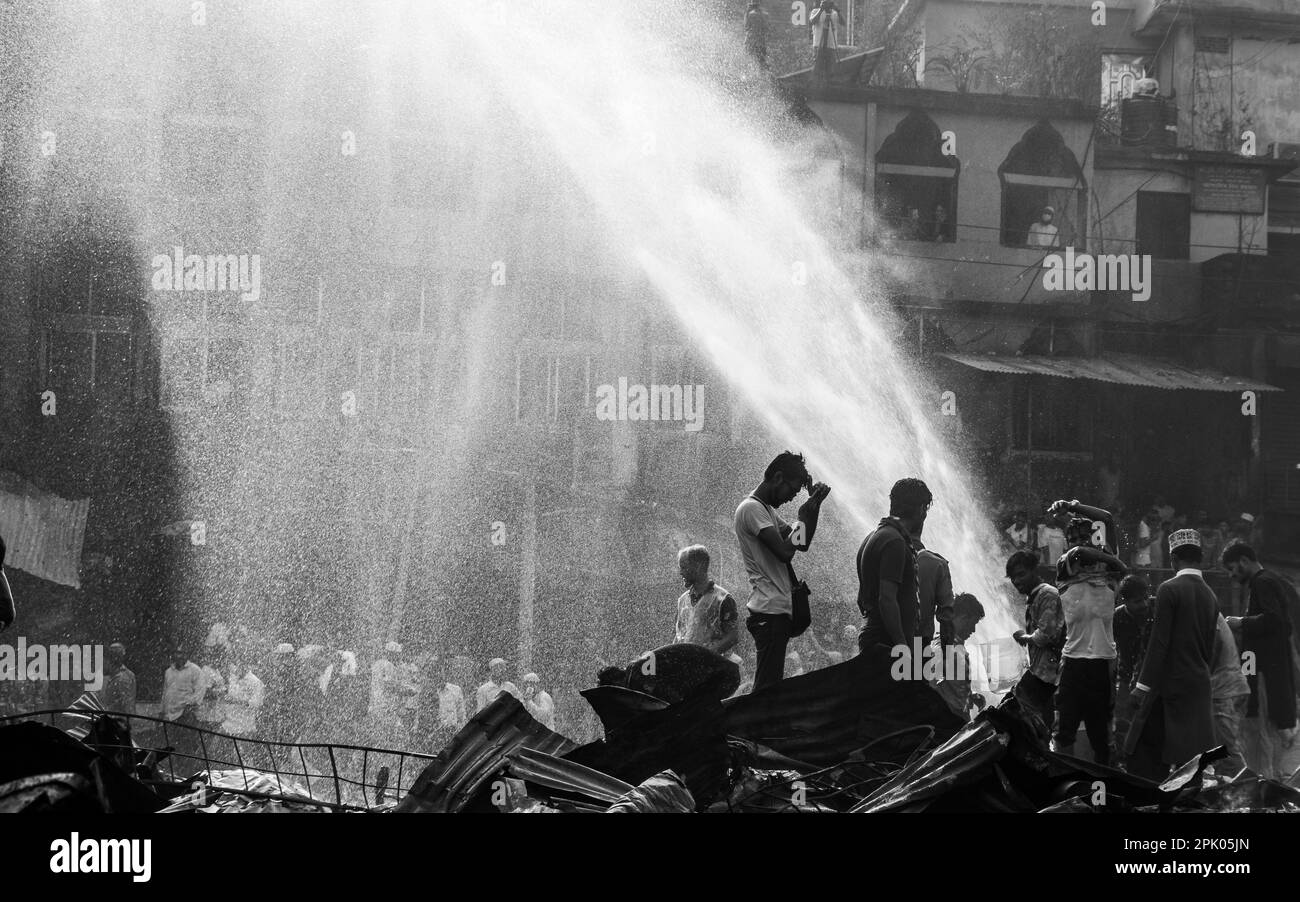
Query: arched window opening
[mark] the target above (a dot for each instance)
(1043, 192)
(916, 182)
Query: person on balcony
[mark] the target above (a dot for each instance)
(756, 33)
(826, 22)
(1044, 232)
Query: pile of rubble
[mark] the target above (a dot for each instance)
(847, 738)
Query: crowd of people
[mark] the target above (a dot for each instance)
(1143, 536)
(313, 693)
(1156, 679)
(1152, 679)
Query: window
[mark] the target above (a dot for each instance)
(1119, 72)
(1164, 225)
(85, 305)
(916, 183)
(1049, 414)
(1043, 192)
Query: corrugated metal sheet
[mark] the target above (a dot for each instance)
(477, 753)
(43, 532)
(822, 717)
(1121, 369)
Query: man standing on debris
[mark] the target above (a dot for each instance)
(1175, 708)
(1086, 577)
(182, 689)
(1043, 636)
(954, 687)
(1269, 727)
(1132, 630)
(1231, 695)
(934, 595)
(767, 546)
(496, 684)
(887, 586)
(706, 612)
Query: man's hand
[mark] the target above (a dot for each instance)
(1233, 622)
(1059, 507)
(1020, 637)
(816, 495)
(1137, 695)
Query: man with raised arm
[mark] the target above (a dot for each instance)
(767, 546)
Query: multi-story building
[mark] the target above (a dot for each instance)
(386, 430)
(974, 115)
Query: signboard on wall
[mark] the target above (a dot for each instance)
(1228, 189)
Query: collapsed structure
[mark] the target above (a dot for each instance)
(847, 738)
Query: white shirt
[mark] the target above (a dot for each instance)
(1042, 235)
(212, 710)
(180, 688)
(542, 708)
(1053, 539)
(451, 706)
(244, 696)
(769, 578)
(488, 692)
(383, 673)
(824, 26)
(1142, 557)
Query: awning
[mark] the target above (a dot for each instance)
(1121, 369)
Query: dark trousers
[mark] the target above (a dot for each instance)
(1147, 758)
(1084, 695)
(1037, 695)
(771, 634)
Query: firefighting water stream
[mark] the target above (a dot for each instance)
(567, 176)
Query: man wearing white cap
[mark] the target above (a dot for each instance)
(1174, 693)
(496, 684)
(538, 701)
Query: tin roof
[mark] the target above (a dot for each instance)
(1122, 369)
(43, 533)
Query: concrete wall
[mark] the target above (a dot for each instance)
(1215, 233)
(976, 266)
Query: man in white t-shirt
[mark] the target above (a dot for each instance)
(1149, 535)
(767, 545)
(1018, 531)
(1051, 541)
(496, 684)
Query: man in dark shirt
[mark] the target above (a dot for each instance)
(887, 589)
(1133, 618)
(1269, 726)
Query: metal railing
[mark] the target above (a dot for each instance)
(334, 776)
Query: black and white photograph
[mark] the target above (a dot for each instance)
(632, 406)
